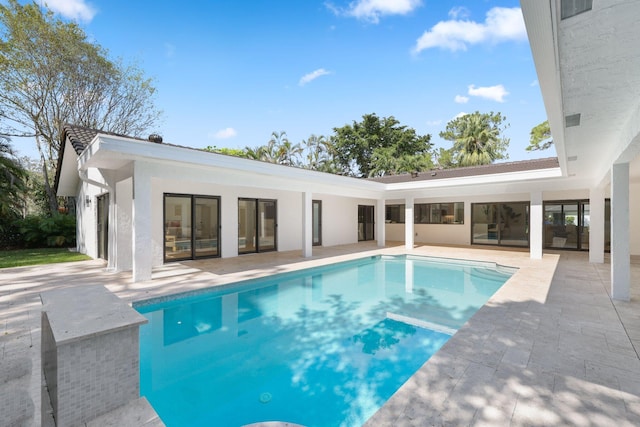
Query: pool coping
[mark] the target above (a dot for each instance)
(549, 348)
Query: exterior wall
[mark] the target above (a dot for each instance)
(340, 219)
(634, 218)
(339, 222)
(86, 223)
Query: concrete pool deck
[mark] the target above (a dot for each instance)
(549, 348)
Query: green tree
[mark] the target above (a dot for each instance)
(477, 138)
(12, 184)
(443, 158)
(318, 151)
(540, 137)
(376, 146)
(52, 74)
(236, 152)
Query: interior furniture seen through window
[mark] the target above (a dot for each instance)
(438, 213)
(394, 214)
(191, 227)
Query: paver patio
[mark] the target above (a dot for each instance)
(549, 348)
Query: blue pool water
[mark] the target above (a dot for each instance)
(321, 347)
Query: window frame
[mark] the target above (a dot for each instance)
(426, 210)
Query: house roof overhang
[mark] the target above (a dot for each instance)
(587, 64)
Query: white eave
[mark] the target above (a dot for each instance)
(498, 178)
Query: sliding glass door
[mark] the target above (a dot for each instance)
(567, 224)
(191, 227)
(256, 225)
(366, 223)
(500, 224)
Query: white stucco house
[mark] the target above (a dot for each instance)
(142, 203)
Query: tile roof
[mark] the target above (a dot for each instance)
(80, 136)
(494, 168)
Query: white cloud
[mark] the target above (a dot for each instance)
(493, 93)
(73, 9)
(434, 122)
(459, 99)
(225, 133)
(372, 10)
(534, 83)
(460, 114)
(459, 12)
(501, 24)
(169, 50)
(312, 76)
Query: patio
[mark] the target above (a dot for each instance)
(549, 348)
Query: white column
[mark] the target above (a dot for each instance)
(380, 223)
(142, 243)
(112, 229)
(535, 226)
(620, 260)
(408, 223)
(307, 224)
(596, 225)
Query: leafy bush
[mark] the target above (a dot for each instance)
(41, 231)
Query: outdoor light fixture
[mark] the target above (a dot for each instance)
(87, 201)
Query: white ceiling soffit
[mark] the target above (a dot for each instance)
(588, 65)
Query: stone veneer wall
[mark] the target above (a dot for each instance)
(90, 353)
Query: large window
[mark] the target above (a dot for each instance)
(256, 225)
(503, 224)
(439, 213)
(191, 227)
(567, 224)
(394, 214)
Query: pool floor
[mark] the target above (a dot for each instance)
(324, 347)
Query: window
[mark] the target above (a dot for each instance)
(439, 213)
(366, 223)
(394, 214)
(191, 227)
(256, 225)
(316, 220)
(502, 224)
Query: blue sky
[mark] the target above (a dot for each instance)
(229, 73)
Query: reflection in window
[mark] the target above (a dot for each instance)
(505, 224)
(256, 225)
(394, 214)
(439, 213)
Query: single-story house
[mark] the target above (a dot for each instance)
(143, 203)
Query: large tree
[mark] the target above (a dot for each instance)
(52, 74)
(477, 138)
(540, 137)
(379, 146)
(12, 183)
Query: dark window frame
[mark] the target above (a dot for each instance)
(426, 210)
(193, 255)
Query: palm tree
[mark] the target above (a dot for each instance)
(477, 138)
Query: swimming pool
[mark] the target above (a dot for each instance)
(320, 347)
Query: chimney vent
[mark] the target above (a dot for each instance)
(154, 137)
